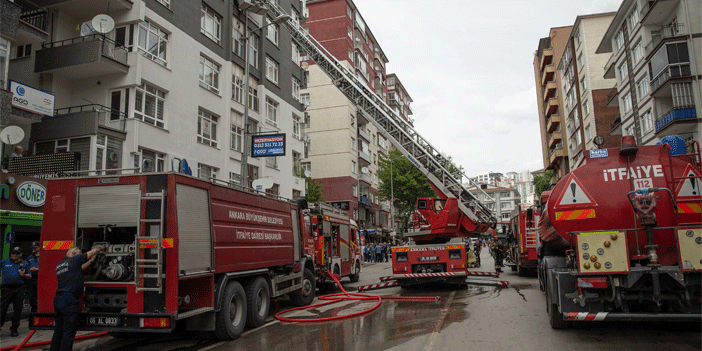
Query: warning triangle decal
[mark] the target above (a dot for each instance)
(575, 194)
(689, 188)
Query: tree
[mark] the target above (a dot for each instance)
(542, 182)
(408, 184)
(314, 190)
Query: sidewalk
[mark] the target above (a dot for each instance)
(39, 335)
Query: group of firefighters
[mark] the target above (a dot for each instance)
(497, 250)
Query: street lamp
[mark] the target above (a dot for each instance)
(244, 155)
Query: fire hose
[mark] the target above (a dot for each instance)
(334, 298)
(24, 343)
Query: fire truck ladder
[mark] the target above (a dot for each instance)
(154, 242)
(439, 169)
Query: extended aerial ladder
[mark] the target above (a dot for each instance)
(440, 171)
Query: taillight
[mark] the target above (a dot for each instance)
(155, 322)
(42, 322)
(401, 257)
(593, 282)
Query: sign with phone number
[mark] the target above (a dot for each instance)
(268, 145)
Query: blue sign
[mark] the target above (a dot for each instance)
(268, 145)
(598, 153)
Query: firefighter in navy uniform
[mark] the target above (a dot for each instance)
(498, 246)
(69, 274)
(14, 276)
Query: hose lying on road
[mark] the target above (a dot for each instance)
(333, 298)
(24, 344)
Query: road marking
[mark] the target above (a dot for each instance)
(440, 322)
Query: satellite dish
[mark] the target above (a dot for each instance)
(103, 24)
(364, 170)
(86, 28)
(12, 135)
(304, 65)
(265, 183)
(308, 173)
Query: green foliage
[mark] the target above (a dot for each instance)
(314, 190)
(408, 184)
(542, 182)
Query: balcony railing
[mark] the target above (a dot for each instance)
(106, 116)
(673, 115)
(673, 70)
(33, 14)
(363, 134)
(73, 54)
(365, 178)
(364, 156)
(664, 32)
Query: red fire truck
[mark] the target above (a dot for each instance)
(180, 250)
(523, 239)
(336, 243)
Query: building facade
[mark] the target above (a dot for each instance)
(655, 50)
(502, 201)
(166, 85)
(344, 145)
(585, 89)
(550, 101)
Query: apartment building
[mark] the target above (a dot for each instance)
(524, 183)
(585, 90)
(654, 49)
(344, 145)
(166, 85)
(500, 200)
(550, 101)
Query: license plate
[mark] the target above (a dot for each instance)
(428, 258)
(110, 321)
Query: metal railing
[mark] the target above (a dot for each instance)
(32, 14)
(110, 48)
(107, 117)
(664, 32)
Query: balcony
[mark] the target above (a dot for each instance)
(546, 58)
(609, 67)
(80, 121)
(555, 138)
(553, 122)
(657, 11)
(550, 90)
(365, 200)
(365, 178)
(363, 134)
(551, 106)
(613, 97)
(556, 155)
(548, 74)
(364, 156)
(679, 72)
(667, 32)
(82, 57)
(80, 10)
(677, 121)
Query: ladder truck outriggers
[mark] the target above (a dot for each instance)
(463, 215)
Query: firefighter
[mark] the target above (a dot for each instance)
(476, 249)
(69, 274)
(14, 276)
(497, 247)
(33, 261)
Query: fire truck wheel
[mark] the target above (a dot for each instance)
(304, 296)
(258, 297)
(231, 318)
(554, 316)
(356, 272)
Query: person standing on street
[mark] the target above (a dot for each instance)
(378, 249)
(33, 265)
(14, 275)
(69, 273)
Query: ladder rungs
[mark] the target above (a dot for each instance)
(151, 276)
(146, 260)
(148, 289)
(143, 220)
(152, 196)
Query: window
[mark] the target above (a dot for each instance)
(505, 205)
(353, 144)
(623, 72)
(642, 87)
(252, 174)
(272, 162)
(307, 167)
(108, 151)
(307, 120)
(296, 88)
(23, 51)
(4, 46)
(633, 18)
(236, 131)
(350, 32)
(353, 167)
(297, 128)
(148, 105)
(253, 50)
(646, 123)
(271, 112)
(583, 85)
(234, 178)
(296, 164)
(119, 99)
(638, 52)
(124, 37)
(206, 128)
(238, 35)
(618, 41)
(295, 53)
(238, 84)
(253, 94)
(80, 145)
(206, 172)
(349, 12)
(629, 130)
(271, 70)
(580, 60)
(149, 161)
(505, 216)
(626, 103)
(166, 3)
(576, 39)
(588, 133)
(209, 74)
(305, 99)
(272, 32)
(152, 43)
(210, 23)
(274, 190)
(586, 107)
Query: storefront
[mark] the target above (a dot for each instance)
(21, 211)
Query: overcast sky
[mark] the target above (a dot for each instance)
(467, 64)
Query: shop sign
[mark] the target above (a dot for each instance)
(31, 99)
(31, 194)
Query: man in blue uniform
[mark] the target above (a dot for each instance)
(14, 275)
(33, 261)
(69, 274)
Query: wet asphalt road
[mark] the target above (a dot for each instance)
(483, 317)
